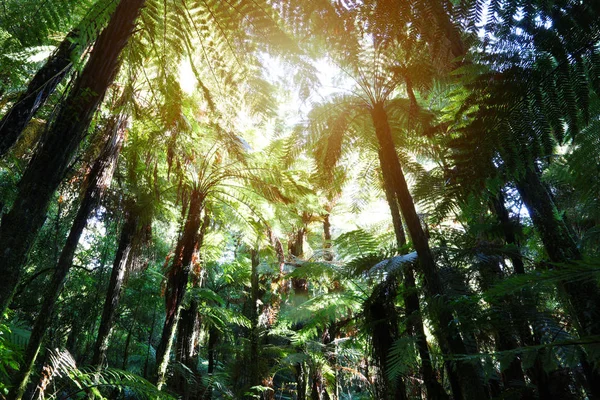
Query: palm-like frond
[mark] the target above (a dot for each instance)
(75, 380)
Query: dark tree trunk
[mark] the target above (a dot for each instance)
(129, 335)
(446, 331)
(504, 329)
(301, 381)
(254, 334)
(189, 321)
(317, 386)
(327, 253)
(557, 239)
(213, 339)
(49, 165)
(177, 276)
(382, 321)
(98, 180)
(296, 248)
(150, 334)
(392, 201)
(186, 334)
(582, 297)
(300, 288)
(435, 391)
(508, 229)
(113, 295)
(188, 327)
(39, 89)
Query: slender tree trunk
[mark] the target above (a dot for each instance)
(39, 89)
(382, 320)
(520, 306)
(504, 328)
(49, 165)
(435, 391)
(213, 339)
(327, 253)
(300, 288)
(446, 331)
(186, 334)
(177, 281)
(301, 381)
(508, 230)
(149, 344)
(189, 321)
(98, 180)
(254, 334)
(89, 319)
(390, 196)
(582, 296)
(129, 334)
(113, 295)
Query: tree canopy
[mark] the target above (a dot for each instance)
(282, 199)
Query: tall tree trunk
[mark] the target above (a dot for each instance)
(177, 281)
(520, 307)
(189, 321)
(504, 329)
(150, 334)
(446, 331)
(508, 231)
(188, 327)
(382, 320)
(392, 201)
(49, 165)
(213, 339)
(582, 297)
(327, 253)
(39, 89)
(98, 180)
(113, 295)
(435, 391)
(300, 288)
(254, 334)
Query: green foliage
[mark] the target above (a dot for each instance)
(10, 356)
(74, 382)
(476, 94)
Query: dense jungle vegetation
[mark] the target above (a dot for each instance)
(294, 199)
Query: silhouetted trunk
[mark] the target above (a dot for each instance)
(177, 277)
(188, 326)
(39, 89)
(435, 391)
(390, 196)
(128, 338)
(446, 331)
(296, 248)
(213, 339)
(301, 381)
(317, 387)
(382, 320)
(582, 296)
(98, 179)
(508, 230)
(49, 165)
(254, 313)
(504, 329)
(150, 334)
(113, 295)
(520, 307)
(300, 288)
(187, 329)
